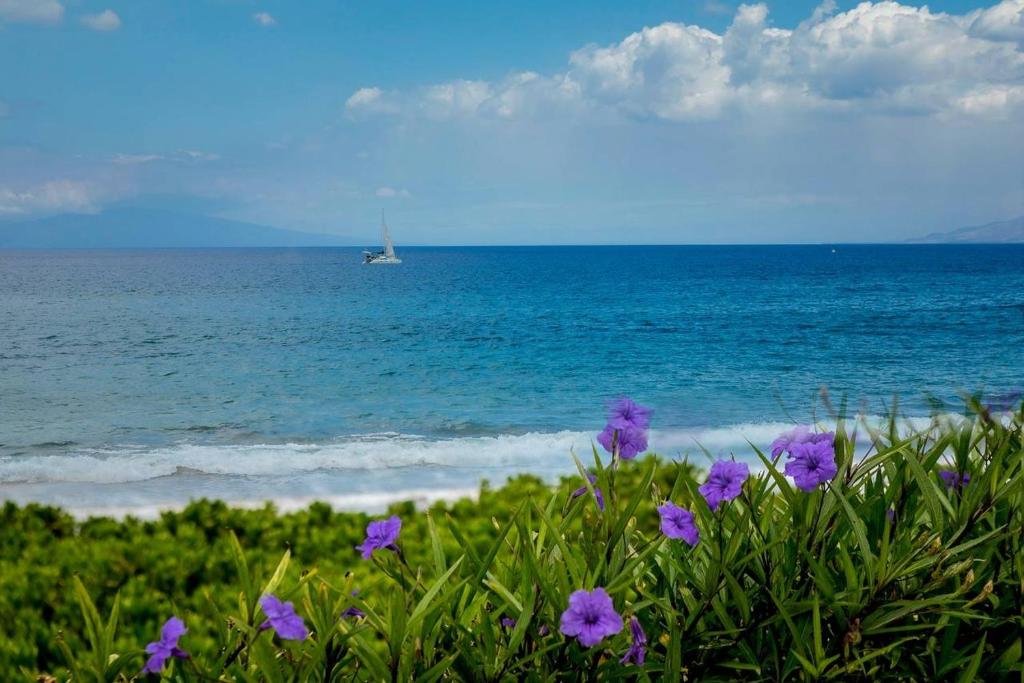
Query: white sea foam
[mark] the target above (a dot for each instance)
(133, 463)
(543, 453)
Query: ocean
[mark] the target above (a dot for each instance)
(132, 381)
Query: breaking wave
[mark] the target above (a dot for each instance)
(532, 452)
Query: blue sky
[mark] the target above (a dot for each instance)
(528, 122)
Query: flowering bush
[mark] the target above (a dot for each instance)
(838, 563)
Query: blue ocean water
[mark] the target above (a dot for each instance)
(133, 379)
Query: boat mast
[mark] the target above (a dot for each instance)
(389, 248)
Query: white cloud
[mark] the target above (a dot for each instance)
(716, 7)
(134, 159)
(392, 193)
(371, 100)
(457, 98)
(185, 155)
(53, 196)
(521, 93)
(892, 55)
(1004, 21)
(670, 71)
(32, 11)
(107, 20)
(527, 93)
(264, 19)
(196, 155)
(994, 102)
(875, 58)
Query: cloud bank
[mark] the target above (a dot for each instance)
(877, 58)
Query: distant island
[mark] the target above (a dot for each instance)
(142, 228)
(1000, 232)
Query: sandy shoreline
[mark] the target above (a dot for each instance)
(371, 503)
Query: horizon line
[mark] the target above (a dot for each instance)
(906, 243)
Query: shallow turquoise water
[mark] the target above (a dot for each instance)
(146, 377)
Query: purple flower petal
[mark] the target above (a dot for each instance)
(954, 480)
(725, 482)
(626, 413)
(628, 442)
(637, 649)
(173, 629)
(597, 492)
(353, 612)
(811, 463)
(590, 617)
(381, 534)
(167, 647)
(677, 522)
(798, 435)
(282, 618)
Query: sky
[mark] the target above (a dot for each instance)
(579, 121)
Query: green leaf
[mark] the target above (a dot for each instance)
(432, 592)
(929, 489)
(278, 575)
(971, 672)
(857, 525)
(819, 649)
(435, 672)
(623, 519)
(568, 558)
(440, 564)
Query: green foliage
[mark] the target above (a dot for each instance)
(784, 585)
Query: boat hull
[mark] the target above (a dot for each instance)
(380, 257)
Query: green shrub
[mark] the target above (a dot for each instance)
(883, 573)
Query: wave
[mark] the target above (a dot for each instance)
(366, 452)
(538, 452)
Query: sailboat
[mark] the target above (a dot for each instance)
(388, 254)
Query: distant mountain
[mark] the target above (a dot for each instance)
(999, 232)
(143, 228)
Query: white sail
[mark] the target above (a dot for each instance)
(386, 256)
(389, 248)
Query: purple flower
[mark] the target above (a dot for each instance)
(811, 463)
(353, 611)
(798, 435)
(597, 492)
(282, 618)
(636, 651)
(891, 514)
(591, 617)
(626, 413)
(628, 441)
(543, 630)
(167, 647)
(677, 522)
(954, 480)
(381, 534)
(725, 482)
(508, 622)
